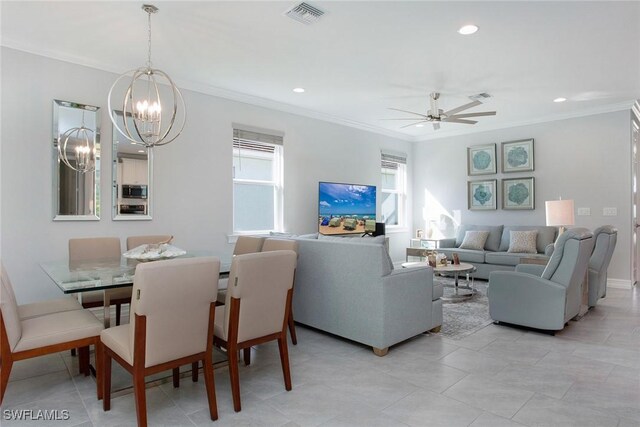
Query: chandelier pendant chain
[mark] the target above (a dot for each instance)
(149, 65)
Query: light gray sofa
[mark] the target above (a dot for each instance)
(495, 257)
(546, 299)
(348, 287)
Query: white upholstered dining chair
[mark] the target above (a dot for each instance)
(171, 324)
(95, 248)
(244, 245)
(256, 309)
(279, 245)
(25, 338)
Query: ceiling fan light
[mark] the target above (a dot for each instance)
(419, 125)
(560, 99)
(468, 29)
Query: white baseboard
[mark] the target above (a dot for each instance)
(619, 283)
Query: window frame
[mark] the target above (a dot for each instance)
(276, 182)
(400, 191)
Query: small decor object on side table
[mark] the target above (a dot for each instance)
(456, 259)
(419, 234)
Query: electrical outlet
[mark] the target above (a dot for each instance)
(609, 211)
(584, 211)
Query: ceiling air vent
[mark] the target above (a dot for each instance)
(304, 13)
(480, 97)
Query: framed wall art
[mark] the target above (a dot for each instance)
(481, 160)
(517, 156)
(518, 193)
(482, 195)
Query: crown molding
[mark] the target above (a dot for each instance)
(292, 109)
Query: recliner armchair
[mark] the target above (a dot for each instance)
(605, 238)
(548, 301)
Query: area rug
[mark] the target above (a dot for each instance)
(461, 319)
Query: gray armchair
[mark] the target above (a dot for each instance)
(605, 238)
(549, 300)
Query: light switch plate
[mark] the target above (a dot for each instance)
(584, 211)
(609, 211)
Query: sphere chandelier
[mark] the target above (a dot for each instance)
(145, 122)
(81, 142)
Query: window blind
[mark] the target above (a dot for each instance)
(391, 161)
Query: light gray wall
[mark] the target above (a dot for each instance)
(192, 176)
(586, 159)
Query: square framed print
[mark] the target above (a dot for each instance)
(518, 193)
(481, 160)
(517, 156)
(482, 195)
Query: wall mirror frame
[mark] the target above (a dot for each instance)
(76, 195)
(132, 177)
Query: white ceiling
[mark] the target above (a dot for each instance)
(361, 57)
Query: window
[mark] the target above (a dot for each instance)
(394, 190)
(257, 182)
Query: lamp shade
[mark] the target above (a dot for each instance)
(559, 212)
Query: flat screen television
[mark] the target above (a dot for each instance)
(345, 208)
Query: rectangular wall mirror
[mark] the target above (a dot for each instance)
(76, 162)
(132, 174)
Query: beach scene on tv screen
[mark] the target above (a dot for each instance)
(345, 208)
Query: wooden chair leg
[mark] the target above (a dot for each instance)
(99, 368)
(176, 377)
(284, 360)
(141, 398)
(246, 355)
(106, 380)
(83, 361)
(118, 311)
(292, 329)
(232, 354)
(194, 372)
(210, 386)
(5, 372)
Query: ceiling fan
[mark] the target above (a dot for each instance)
(436, 115)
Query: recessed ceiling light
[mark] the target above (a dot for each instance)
(561, 99)
(141, 151)
(419, 125)
(298, 90)
(468, 29)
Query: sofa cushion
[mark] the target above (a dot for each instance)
(474, 240)
(465, 255)
(523, 242)
(546, 235)
(508, 258)
(493, 241)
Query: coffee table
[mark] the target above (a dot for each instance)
(459, 294)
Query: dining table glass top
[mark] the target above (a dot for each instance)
(100, 274)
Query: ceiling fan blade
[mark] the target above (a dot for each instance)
(412, 118)
(410, 112)
(485, 113)
(412, 124)
(436, 125)
(454, 120)
(462, 108)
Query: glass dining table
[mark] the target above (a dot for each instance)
(106, 275)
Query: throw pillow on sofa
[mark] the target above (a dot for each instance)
(523, 242)
(474, 240)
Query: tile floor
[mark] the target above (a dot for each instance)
(587, 375)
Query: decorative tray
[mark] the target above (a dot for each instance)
(154, 251)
